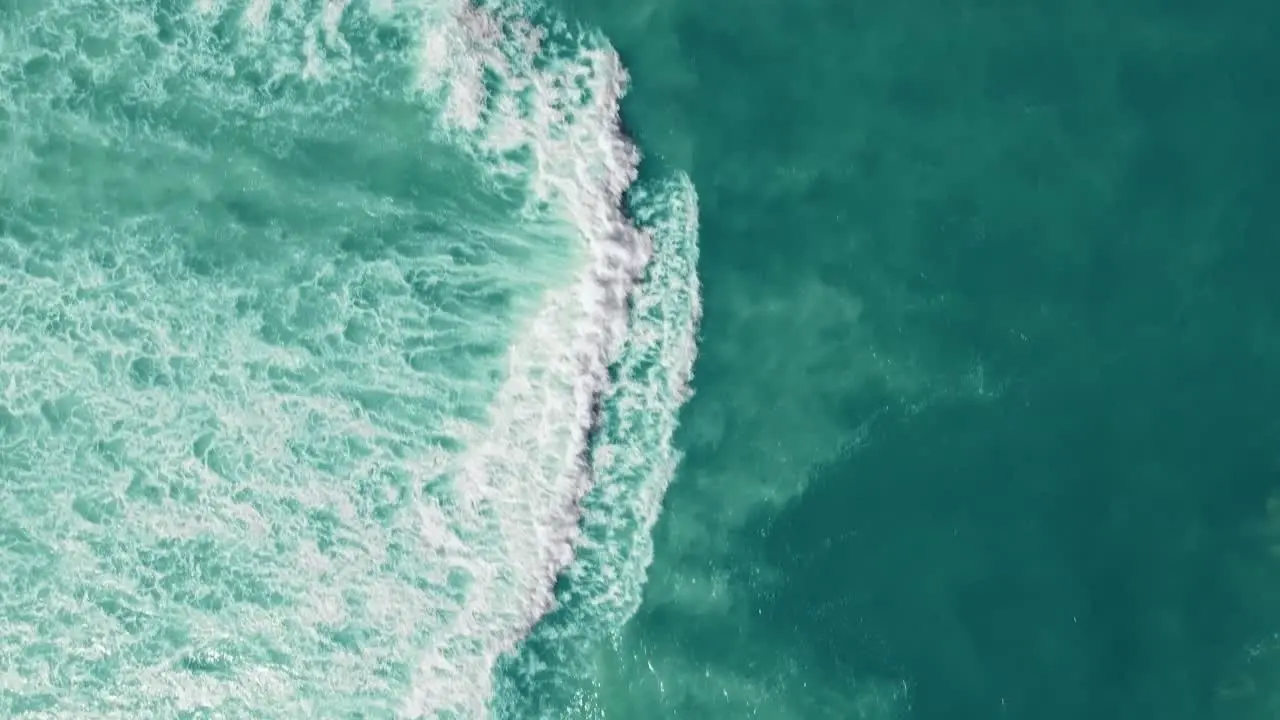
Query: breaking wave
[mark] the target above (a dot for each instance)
(309, 314)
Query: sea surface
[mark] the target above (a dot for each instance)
(637, 359)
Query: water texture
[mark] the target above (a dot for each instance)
(308, 313)
(984, 423)
(347, 359)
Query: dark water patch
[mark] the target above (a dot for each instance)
(1073, 200)
(1067, 551)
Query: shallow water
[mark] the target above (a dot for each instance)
(307, 311)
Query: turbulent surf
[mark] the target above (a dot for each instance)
(326, 346)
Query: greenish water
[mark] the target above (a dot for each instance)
(323, 341)
(984, 422)
(307, 315)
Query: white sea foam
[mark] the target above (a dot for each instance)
(256, 14)
(530, 462)
(635, 457)
(262, 433)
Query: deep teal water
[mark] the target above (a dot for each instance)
(984, 422)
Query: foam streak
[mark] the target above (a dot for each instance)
(527, 471)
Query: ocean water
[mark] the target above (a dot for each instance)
(309, 311)
(893, 361)
(985, 413)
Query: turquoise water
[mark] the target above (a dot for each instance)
(335, 382)
(308, 317)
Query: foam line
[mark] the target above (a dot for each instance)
(583, 164)
(633, 460)
(328, 436)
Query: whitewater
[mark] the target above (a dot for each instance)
(332, 336)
